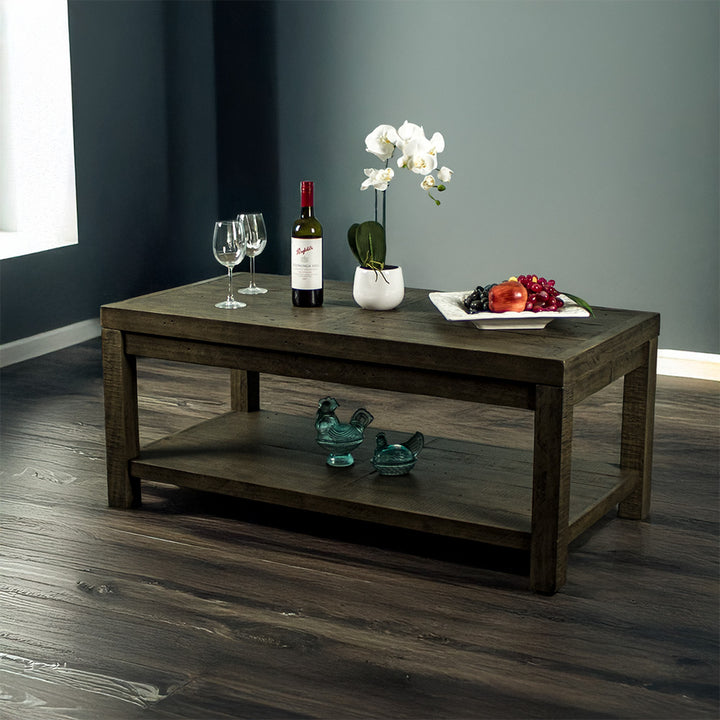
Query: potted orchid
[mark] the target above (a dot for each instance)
(367, 240)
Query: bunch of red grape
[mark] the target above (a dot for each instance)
(542, 295)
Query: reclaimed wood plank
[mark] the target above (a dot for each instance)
(451, 384)
(636, 447)
(457, 489)
(551, 490)
(416, 329)
(121, 420)
(244, 390)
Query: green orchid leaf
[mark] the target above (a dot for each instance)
(351, 241)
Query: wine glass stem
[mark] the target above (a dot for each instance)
(230, 297)
(252, 271)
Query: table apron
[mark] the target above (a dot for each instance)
(603, 375)
(405, 379)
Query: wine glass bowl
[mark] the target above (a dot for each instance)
(256, 241)
(229, 245)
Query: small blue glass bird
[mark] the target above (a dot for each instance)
(396, 459)
(339, 439)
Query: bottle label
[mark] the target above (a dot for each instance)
(306, 263)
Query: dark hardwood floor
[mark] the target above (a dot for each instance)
(199, 607)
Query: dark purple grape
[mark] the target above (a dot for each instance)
(477, 300)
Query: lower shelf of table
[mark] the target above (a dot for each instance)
(457, 489)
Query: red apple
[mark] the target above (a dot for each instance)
(509, 296)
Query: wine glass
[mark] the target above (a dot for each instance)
(229, 238)
(256, 241)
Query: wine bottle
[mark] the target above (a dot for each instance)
(306, 248)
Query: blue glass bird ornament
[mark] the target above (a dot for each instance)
(339, 439)
(398, 459)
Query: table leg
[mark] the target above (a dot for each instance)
(122, 440)
(551, 489)
(636, 446)
(244, 390)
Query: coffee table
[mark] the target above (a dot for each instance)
(535, 501)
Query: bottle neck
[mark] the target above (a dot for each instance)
(307, 189)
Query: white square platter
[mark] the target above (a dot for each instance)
(450, 304)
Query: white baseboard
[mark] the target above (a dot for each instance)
(678, 363)
(47, 342)
(682, 363)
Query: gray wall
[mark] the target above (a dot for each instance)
(174, 127)
(583, 136)
(145, 148)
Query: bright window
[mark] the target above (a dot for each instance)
(38, 208)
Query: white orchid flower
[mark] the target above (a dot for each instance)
(408, 135)
(377, 179)
(422, 163)
(409, 131)
(417, 156)
(381, 141)
(437, 143)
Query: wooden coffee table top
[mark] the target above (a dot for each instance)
(414, 335)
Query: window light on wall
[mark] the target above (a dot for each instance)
(38, 208)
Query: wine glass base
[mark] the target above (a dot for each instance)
(230, 304)
(253, 290)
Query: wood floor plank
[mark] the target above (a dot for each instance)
(199, 607)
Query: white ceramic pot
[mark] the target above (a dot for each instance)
(379, 291)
